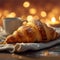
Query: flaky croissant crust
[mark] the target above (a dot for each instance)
(32, 31)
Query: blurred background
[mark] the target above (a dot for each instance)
(48, 11)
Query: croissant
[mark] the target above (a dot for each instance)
(32, 31)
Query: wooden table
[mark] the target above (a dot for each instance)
(7, 56)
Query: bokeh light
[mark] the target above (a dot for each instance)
(32, 11)
(43, 14)
(53, 19)
(26, 4)
(29, 17)
(11, 15)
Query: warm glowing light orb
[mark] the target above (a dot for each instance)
(26, 4)
(32, 11)
(53, 19)
(54, 22)
(43, 14)
(29, 17)
(11, 15)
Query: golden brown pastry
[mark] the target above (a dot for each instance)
(32, 31)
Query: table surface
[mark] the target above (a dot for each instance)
(7, 56)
